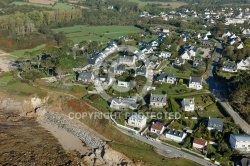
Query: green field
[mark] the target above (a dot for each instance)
(164, 4)
(56, 6)
(20, 53)
(96, 33)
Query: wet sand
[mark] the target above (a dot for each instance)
(67, 140)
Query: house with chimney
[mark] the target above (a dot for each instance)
(195, 83)
(188, 104)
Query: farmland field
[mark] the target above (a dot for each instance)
(46, 2)
(164, 4)
(56, 6)
(20, 53)
(96, 33)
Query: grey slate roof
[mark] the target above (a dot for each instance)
(85, 76)
(229, 65)
(158, 98)
(241, 137)
(215, 123)
(173, 132)
(196, 79)
(140, 71)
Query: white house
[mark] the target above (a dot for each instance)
(240, 46)
(123, 103)
(240, 142)
(195, 83)
(104, 80)
(157, 128)
(137, 120)
(174, 135)
(165, 54)
(244, 64)
(186, 55)
(179, 62)
(127, 60)
(171, 79)
(188, 104)
(158, 100)
(124, 84)
(199, 143)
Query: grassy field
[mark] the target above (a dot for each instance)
(164, 4)
(96, 33)
(20, 53)
(56, 6)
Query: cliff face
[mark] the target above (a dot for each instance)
(99, 154)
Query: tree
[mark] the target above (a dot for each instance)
(162, 47)
(180, 81)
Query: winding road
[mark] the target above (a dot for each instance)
(216, 88)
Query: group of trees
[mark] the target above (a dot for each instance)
(23, 23)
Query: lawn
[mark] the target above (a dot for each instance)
(180, 73)
(79, 33)
(170, 89)
(56, 6)
(5, 79)
(20, 53)
(211, 111)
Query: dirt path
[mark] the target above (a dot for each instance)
(4, 61)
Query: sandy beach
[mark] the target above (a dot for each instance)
(68, 141)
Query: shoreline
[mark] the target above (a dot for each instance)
(68, 141)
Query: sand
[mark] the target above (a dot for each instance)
(67, 140)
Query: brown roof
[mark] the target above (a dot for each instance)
(200, 141)
(157, 126)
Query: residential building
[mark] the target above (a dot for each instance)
(157, 128)
(124, 84)
(123, 103)
(158, 100)
(195, 83)
(86, 77)
(119, 69)
(244, 162)
(199, 143)
(127, 60)
(161, 77)
(244, 64)
(179, 62)
(186, 55)
(141, 71)
(165, 54)
(171, 79)
(137, 120)
(229, 66)
(240, 142)
(174, 135)
(188, 104)
(104, 80)
(215, 124)
(197, 62)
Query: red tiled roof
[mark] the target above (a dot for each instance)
(157, 126)
(200, 141)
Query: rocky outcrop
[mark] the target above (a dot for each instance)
(62, 122)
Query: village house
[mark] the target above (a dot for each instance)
(199, 143)
(240, 142)
(174, 135)
(171, 79)
(165, 54)
(179, 62)
(188, 104)
(141, 71)
(119, 69)
(161, 77)
(86, 77)
(123, 103)
(229, 66)
(137, 120)
(158, 100)
(124, 84)
(104, 80)
(215, 124)
(127, 60)
(195, 83)
(157, 128)
(244, 64)
(197, 62)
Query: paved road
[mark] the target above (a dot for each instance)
(216, 88)
(165, 148)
